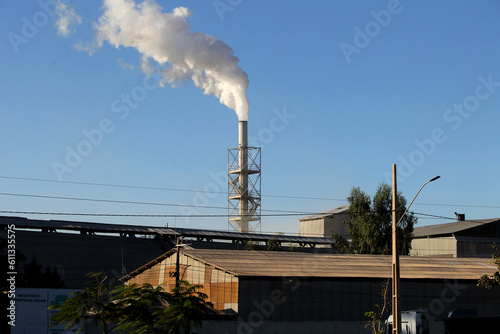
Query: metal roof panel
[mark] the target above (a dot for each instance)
(293, 264)
(340, 209)
(450, 228)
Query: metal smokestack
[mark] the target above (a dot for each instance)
(243, 172)
(243, 177)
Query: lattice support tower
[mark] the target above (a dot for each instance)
(244, 196)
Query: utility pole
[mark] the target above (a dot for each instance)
(177, 265)
(177, 277)
(396, 312)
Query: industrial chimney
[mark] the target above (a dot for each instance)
(243, 177)
(244, 196)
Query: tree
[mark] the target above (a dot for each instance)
(370, 223)
(188, 308)
(492, 281)
(376, 323)
(29, 275)
(93, 302)
(133, 308)
(32, 276)
(252, 246)
(293, 248)
(139, 307)
(274, 245)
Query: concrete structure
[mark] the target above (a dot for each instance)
(464, 238)
(323, 224)
(288, 292)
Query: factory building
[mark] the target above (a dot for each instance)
(293, 292)
(77, 248)
(463, 238)
(323, 224)
(270, 292)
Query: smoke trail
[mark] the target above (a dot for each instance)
(165, 39)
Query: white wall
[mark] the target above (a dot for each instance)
(31, 313)
(444, 246)
(322, 227)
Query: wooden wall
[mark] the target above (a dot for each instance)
(221, 287)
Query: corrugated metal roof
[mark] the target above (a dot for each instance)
(252, 236)
(340, 209)
(21, 222)
(294, 264)
(450, 228)
(26, 223)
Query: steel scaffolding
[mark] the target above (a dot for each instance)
(244, 196)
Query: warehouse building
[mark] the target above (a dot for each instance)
(292, 292)
(323, 224)
(463, 238)
(77, 248)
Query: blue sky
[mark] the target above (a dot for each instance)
(338, 92)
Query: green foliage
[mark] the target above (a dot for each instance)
(377, 323)
(29, 275)
(252, 246)
(274, 245)
(370, 223)
(138, 307)
(293, 248)
(187, 309)
(134, 308)
(492, 281)
(93, 302)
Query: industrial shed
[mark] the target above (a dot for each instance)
(324, 223)
(463, 238)
(76, 248)
(290, 292)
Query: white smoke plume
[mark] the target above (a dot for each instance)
(66, 19)
(165, 38)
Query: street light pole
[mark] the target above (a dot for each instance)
(177, 277)
(396, 311)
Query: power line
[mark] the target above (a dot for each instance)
(282, 213)
(461, 205)
(138, 203)
(433, 216)
(223, 193)
(137, 215)
(111, 201)
(159, 188)
(177, 215)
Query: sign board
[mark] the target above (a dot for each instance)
(32, 314)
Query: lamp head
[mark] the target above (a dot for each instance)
(434, 178)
